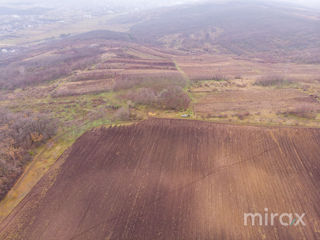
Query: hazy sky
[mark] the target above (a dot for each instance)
(309, 3)
(139, 3)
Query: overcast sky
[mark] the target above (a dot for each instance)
(140, 3)
(309, 3)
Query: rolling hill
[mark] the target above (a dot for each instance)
(115, 101)
(254, 29)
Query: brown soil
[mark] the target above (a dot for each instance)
(84, 87)
(255, 100)
(205, 67)
(175, 179)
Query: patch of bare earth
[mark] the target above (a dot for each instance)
(255, 100)
(84, 87)
(205, 67)
(175, 179)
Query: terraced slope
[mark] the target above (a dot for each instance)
(175, 179)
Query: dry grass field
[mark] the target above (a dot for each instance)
(205, 67)
(175, 179)
(84, 87)
(227, 88)
(262, 103)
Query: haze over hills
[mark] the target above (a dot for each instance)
(254, 29)
(119, 4)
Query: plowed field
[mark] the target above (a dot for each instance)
(175, 179)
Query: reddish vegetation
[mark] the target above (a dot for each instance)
(154, 79)
(128, 63)
(38, 69)
(172, 98)
(83, 87)
(175, 179)
(19, 133)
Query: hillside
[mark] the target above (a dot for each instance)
(175, 179)
(167, 123)
(104, 77)
(253, 29)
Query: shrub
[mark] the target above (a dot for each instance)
(242, 115)
(272, 80)
(219, 77)
(303, 111)
(30, 130)
(122, 114)
(144, 96)
(172, 98)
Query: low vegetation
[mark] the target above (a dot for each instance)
(273, 80)
(154, 80)
(122, 114)
(171, 98)
(303, 111)
(25, 72)
(92, 75)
